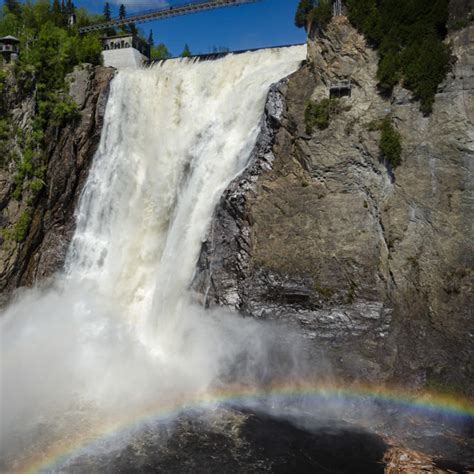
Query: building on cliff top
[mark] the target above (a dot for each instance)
(10, 48)
(125, 51)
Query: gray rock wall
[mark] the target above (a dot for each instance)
(68, 158)
(373, 265)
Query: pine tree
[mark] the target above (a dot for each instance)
(122, 12)
(302, 12)
(13, 6)
(160, 52)
(63, 6)
(107, 12)
(151, 41)
(56, 7)
(186, 52)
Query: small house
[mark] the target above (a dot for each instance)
(10, 48)
(125, 51)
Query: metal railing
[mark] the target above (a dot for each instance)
(169, 12)
(9, 48)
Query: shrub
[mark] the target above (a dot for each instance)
(22, 226)
(160, 51)
(318, 114)
(390, 143)
(409, 36)
(322, 14)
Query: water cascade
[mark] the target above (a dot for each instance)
(118, 328)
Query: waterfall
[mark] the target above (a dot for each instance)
(175, 136)
(118, 327)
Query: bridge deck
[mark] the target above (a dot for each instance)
(169, 12)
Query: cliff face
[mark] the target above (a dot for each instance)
(373, 264)
(68, 157)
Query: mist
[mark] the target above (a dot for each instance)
(117, 331)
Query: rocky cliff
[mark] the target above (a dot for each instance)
(374, 265)
(68, 156)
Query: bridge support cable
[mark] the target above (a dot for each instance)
(164, 13)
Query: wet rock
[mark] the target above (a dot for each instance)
(372, 264)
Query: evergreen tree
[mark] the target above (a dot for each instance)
(63, 6)
(160, 52)
(186, 52)
(107, 12)
(13, 6)
(151, 41)
(56, 7)
(122, 12)
(302, 11)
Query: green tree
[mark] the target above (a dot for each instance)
(409, 35)
(107, 12)
(122, 12)
(186, 52)
(160, 51)
(321, 15)
(13, 6)
(151, 41)
(302, 11)
(56, 7)
(390, 143)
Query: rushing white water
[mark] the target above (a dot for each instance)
(174, 138)
(118, 329)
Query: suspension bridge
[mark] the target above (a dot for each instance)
(166, 12)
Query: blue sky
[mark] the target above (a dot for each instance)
(266, 23)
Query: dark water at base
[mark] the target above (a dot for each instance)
(228, 440)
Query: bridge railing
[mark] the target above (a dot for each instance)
(167, 12)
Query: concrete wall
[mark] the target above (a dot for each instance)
(123, 58)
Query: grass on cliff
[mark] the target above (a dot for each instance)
(319, 114)
(409, 37)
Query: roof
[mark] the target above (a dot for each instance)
(10, 38)
(126, 35)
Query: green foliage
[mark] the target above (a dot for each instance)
(186, 52)
(122, 12)
(409, 35)
(302, 12)
(322, 14)
(160, 52)
(107, 12)
(36, 185)
(318, 114)
(12, 6)
(426, 65)
(22, 226)
(49, 50)
(307, 13)
(390, 143)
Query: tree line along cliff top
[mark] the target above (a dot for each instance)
(408, 34)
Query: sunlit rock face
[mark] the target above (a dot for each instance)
(69, 154)
(373, 265)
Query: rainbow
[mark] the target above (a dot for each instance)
(426, 402)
